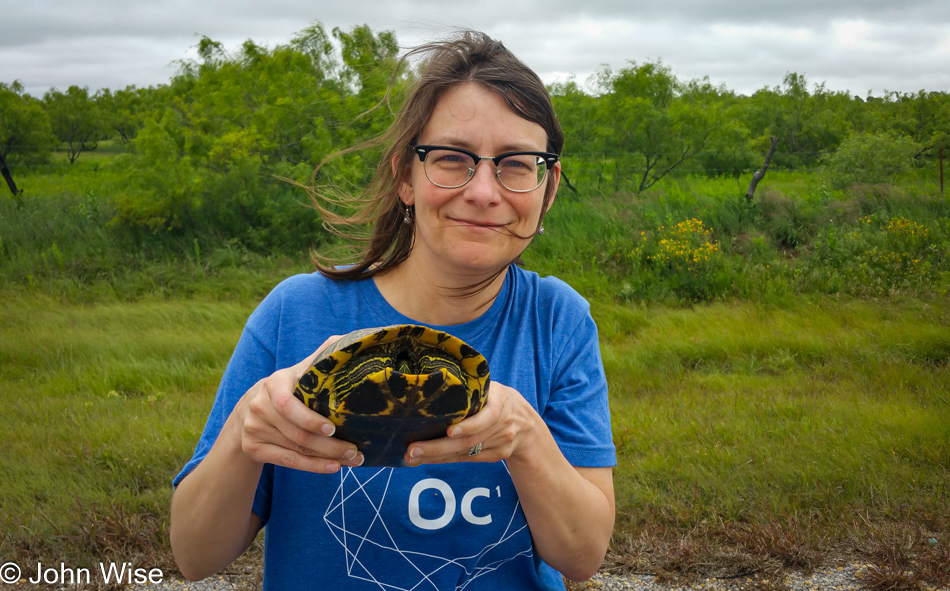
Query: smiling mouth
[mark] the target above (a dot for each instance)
(477, 224)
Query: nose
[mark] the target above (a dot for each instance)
(484, 189)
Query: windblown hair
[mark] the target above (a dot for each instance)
(470, 56)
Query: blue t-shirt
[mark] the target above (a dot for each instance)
(452, 526)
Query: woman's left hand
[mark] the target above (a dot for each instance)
(570, 510)
(502, 427)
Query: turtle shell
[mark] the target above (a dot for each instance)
(386, 387)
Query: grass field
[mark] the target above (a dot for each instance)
(104, 401)
(780, 380)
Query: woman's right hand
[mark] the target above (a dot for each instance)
(277, 428)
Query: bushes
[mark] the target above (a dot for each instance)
(160, 188)
(696, 241)
(682, 259)
(879, 256)
(60, 239)
(871, 158)
(688, 241)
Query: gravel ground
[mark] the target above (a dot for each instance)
(842, 578)
(215, 583)
(839, 579)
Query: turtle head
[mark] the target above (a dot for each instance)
(405, 360)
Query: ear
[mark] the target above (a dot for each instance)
(404, 183)
(556, 175)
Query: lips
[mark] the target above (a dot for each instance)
(477, 223)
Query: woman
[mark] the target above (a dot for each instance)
(511, 496)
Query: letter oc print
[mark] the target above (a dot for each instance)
(415, 515)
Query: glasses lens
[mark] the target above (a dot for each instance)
(522, 172)
(448, 168)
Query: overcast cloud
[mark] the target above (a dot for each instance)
(858, 45)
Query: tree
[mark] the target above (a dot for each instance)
(298, 97)
(370, 59)
(715, 111)
(124, 111)
(236, 125)
(583, 159)
(760, 174)
(162, 188)
(922, 116)
(729, 150)
(655, 126)
(76, 120)
(806, 124)
(25, 133)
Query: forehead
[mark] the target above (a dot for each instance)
(471, 116)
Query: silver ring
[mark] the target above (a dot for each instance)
(474, 451)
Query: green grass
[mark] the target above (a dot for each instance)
(820, 408)
(103, 404)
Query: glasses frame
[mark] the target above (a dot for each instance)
(550, 159)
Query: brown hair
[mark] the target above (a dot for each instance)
(470, 56)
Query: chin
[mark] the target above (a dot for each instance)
(478, 263)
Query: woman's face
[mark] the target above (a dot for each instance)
(465, 230)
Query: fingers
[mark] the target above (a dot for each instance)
(282, 456)
(447, 449)
(283, 420)
(279, 429)
(485, 419)
(497, 427)
(295, 439)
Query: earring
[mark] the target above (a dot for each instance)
(407, 218)
(541, 229)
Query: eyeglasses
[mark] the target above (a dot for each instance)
(451, 168)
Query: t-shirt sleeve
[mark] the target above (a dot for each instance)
(577, 411)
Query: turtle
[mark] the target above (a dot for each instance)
(386, 387)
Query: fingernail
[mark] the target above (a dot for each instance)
(455, 432)
(415, 453)
(349, 455)
(362, 459)
(328, 429)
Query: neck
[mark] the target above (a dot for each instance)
(441, 300)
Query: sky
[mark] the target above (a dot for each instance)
(862, 46)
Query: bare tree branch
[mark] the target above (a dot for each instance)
(7, 176)
(760, 174)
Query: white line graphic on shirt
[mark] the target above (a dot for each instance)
(377, 539)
